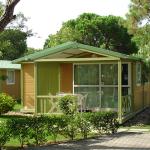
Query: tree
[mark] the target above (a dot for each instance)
(139, 13)
(99, 31)
(138, 23)
(13, 44)
(7, 15)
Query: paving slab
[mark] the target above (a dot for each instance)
(119, 141)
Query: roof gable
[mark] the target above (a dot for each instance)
(73, 45)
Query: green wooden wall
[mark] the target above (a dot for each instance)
(47, 78)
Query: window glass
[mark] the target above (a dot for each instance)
(92, 96)
(109, 74)
(138, 73)
(86, 74)
(124, 74)
(10, 77)
(109, 97)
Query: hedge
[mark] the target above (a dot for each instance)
(36, 129)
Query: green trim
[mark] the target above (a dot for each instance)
(73, 45)
(22, 89)
(35, 87)
(119, 91)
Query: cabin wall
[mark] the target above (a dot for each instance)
(140, 94)
(147, 94)
(13, 90)
(28, 88)
(66, 77)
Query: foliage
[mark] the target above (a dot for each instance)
(4, 133)
(71, 128)
(83, 124)
(38, 130)
(139, 13)
(6, 103)
(55, 125)
(138, 24)
(99, 31)
(13, 44)
(67, 104)
(104, 122)
(20, 129)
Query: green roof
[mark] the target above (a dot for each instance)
(6, 64)
(73, 45)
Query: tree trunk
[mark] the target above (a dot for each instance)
(8, 15)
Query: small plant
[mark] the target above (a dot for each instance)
(68, 104)
(6, 103)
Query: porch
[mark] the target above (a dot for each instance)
(102, 85)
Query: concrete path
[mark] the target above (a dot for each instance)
(119, 141)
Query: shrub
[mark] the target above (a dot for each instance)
(38, 129)
(6, 103)
(71, 128)
(83, 124)
(56, 124)
(4, 133)
(19, 128)
(68, 104)
(104, 122)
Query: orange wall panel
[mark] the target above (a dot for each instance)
(28, 85)
(66, 77)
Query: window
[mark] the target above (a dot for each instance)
(100, 83)
(138, 74)
(10, 77)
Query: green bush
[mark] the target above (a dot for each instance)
(104, 122)
(71, 128)
(55, 125)
(6, 103)
(68, 104)
(19, 128)
(4, 133)
(83, 124)
(38, 129)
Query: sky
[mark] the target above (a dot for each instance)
(47, 16)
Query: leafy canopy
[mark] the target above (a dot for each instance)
(99, 31)
(13, 44)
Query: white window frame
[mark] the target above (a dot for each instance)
(8, 82)
(100, 85)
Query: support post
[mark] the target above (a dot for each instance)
(21, 84)
(35, 87)
(120, 91)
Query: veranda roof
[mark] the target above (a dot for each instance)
(73, 45)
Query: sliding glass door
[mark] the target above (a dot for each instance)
(100, 83)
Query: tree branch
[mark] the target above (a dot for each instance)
(8, 15)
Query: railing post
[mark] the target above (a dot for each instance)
(120, 91)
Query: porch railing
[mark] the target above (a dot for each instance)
(47, 104)
(126, 105)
